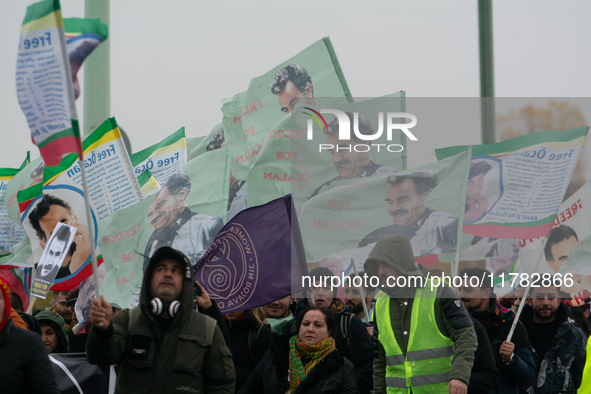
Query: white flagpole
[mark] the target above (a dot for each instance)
(90, 230)
(367, 317)
(525, 293)
(456, 266)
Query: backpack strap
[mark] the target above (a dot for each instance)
(345, 325)
(252, 338)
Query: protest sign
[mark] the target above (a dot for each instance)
(82, 37)
(186, 214)
(112, 186)
(162, 159)
(251, 262)
(44, 83)
(54, 254)
(571, 230)
(422, 204)
(518, 189)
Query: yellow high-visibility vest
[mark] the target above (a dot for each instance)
(427, 363)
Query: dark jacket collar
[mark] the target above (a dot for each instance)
(560, 318)
(280, 352)
(5, 332)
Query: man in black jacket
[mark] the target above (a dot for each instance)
(559, 345)
(351, 336)
(484, 375)
(514, 359)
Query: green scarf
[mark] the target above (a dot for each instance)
(311, 355)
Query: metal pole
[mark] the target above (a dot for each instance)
(487, 86)
(97, 73)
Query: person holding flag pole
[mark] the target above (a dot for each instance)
(46, 95)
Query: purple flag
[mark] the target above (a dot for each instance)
(255, 259)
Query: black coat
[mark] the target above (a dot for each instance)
(24, 363)
(359, 352)
(484, 375)
(517, 376)
(246, 350)
(333, 375)
(561, 369)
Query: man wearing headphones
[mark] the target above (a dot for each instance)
(162, 345)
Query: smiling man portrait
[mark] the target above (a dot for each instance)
(176, 225)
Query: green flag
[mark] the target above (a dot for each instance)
(186, 214)
(250, 116)
(421, 203)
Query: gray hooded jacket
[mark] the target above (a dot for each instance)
(180, 359)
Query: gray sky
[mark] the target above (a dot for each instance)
(173, 61)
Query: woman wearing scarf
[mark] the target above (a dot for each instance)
(351, 336)
(24, 364)
(304, 363)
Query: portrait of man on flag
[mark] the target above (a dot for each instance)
(293, 85)
(349, 162)
(44, 217)
(429, 231)
(176, 225)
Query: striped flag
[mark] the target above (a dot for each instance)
(516, 186)
(44, 83)
(82, 37)
(148, 183)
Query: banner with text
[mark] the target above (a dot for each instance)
(516, 186)
(421, 203)
(250, 116)
(112, 186)
(164, 158)
(44, 82)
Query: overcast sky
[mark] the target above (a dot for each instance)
(173, 61)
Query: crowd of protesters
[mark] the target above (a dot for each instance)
(416, 340)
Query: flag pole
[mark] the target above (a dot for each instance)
(456, 265)
(487, 85)
(90, 228)
(97, 72)
(525, 293)
(362, 293)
